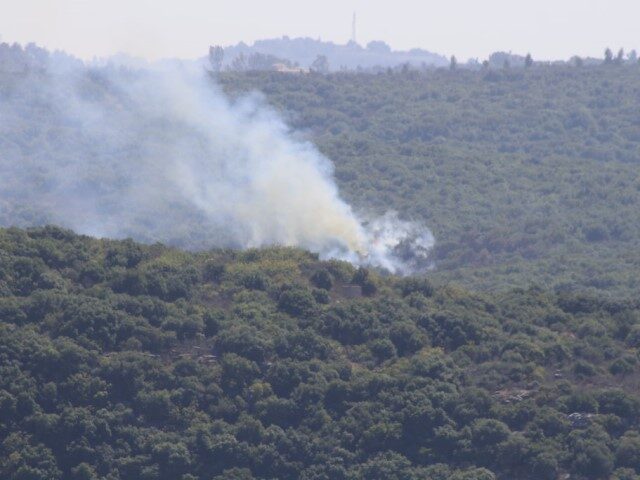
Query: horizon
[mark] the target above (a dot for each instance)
(142, 60)
(164, 30)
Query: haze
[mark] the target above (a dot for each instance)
(469, 29)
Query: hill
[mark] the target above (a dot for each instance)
(526, 176)
(123, 361)
(304, 51)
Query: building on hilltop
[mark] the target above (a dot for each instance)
(284, 68)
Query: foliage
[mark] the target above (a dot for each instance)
(122, 361)
(524, 175)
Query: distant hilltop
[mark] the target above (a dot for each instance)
(319, 55)
(304, 54)
(298, 55)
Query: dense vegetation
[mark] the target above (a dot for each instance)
(123, 361)
(525, 176)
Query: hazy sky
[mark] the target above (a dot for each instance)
(549, 29)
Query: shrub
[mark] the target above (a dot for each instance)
(322, 279)
(296, 301)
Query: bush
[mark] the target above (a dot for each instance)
(298, 302)
(628, 451)
(584, 369)
(633, 337)
(213, 271)
(382, 349)
(593, 460)
(544, 466)
(487, 432)
(623, 366)
(416, 285)
(255, 281)
(364, 278)
(322, 279)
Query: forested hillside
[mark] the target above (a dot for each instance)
(515, 357)
(124, 361)
(526, 176)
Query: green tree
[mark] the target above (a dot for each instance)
(528, 61)
(320, 64)
(608, 56)
(216, 57)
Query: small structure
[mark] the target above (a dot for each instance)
(349, 290)
(284, 68)
(580, 420)
(513, 395)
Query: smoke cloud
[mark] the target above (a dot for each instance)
(161, 154)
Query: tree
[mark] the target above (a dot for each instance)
(608, 56)
(173, 458)
(385, 466)
(473, 474)
(528, 61)
(322, 279)
(632, 57)
(235, 474)
(620, 57)
(320, 64)
(216, 56)
(23, 461)
(421, 285)
(261, 61)
(382, 349)
(378, 46)
(297, 302)
(84, 471)
(453, 64)
(593, 460)
(544, 466)
(486, 432)
(628, 451)
(239, 63)
(363, 278)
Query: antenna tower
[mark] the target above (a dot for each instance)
(353, 28)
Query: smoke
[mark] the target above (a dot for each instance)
(161, 154)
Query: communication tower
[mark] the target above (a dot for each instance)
(353, 28)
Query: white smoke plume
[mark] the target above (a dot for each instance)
(164, 155)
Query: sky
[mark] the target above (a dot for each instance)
(548, 29)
